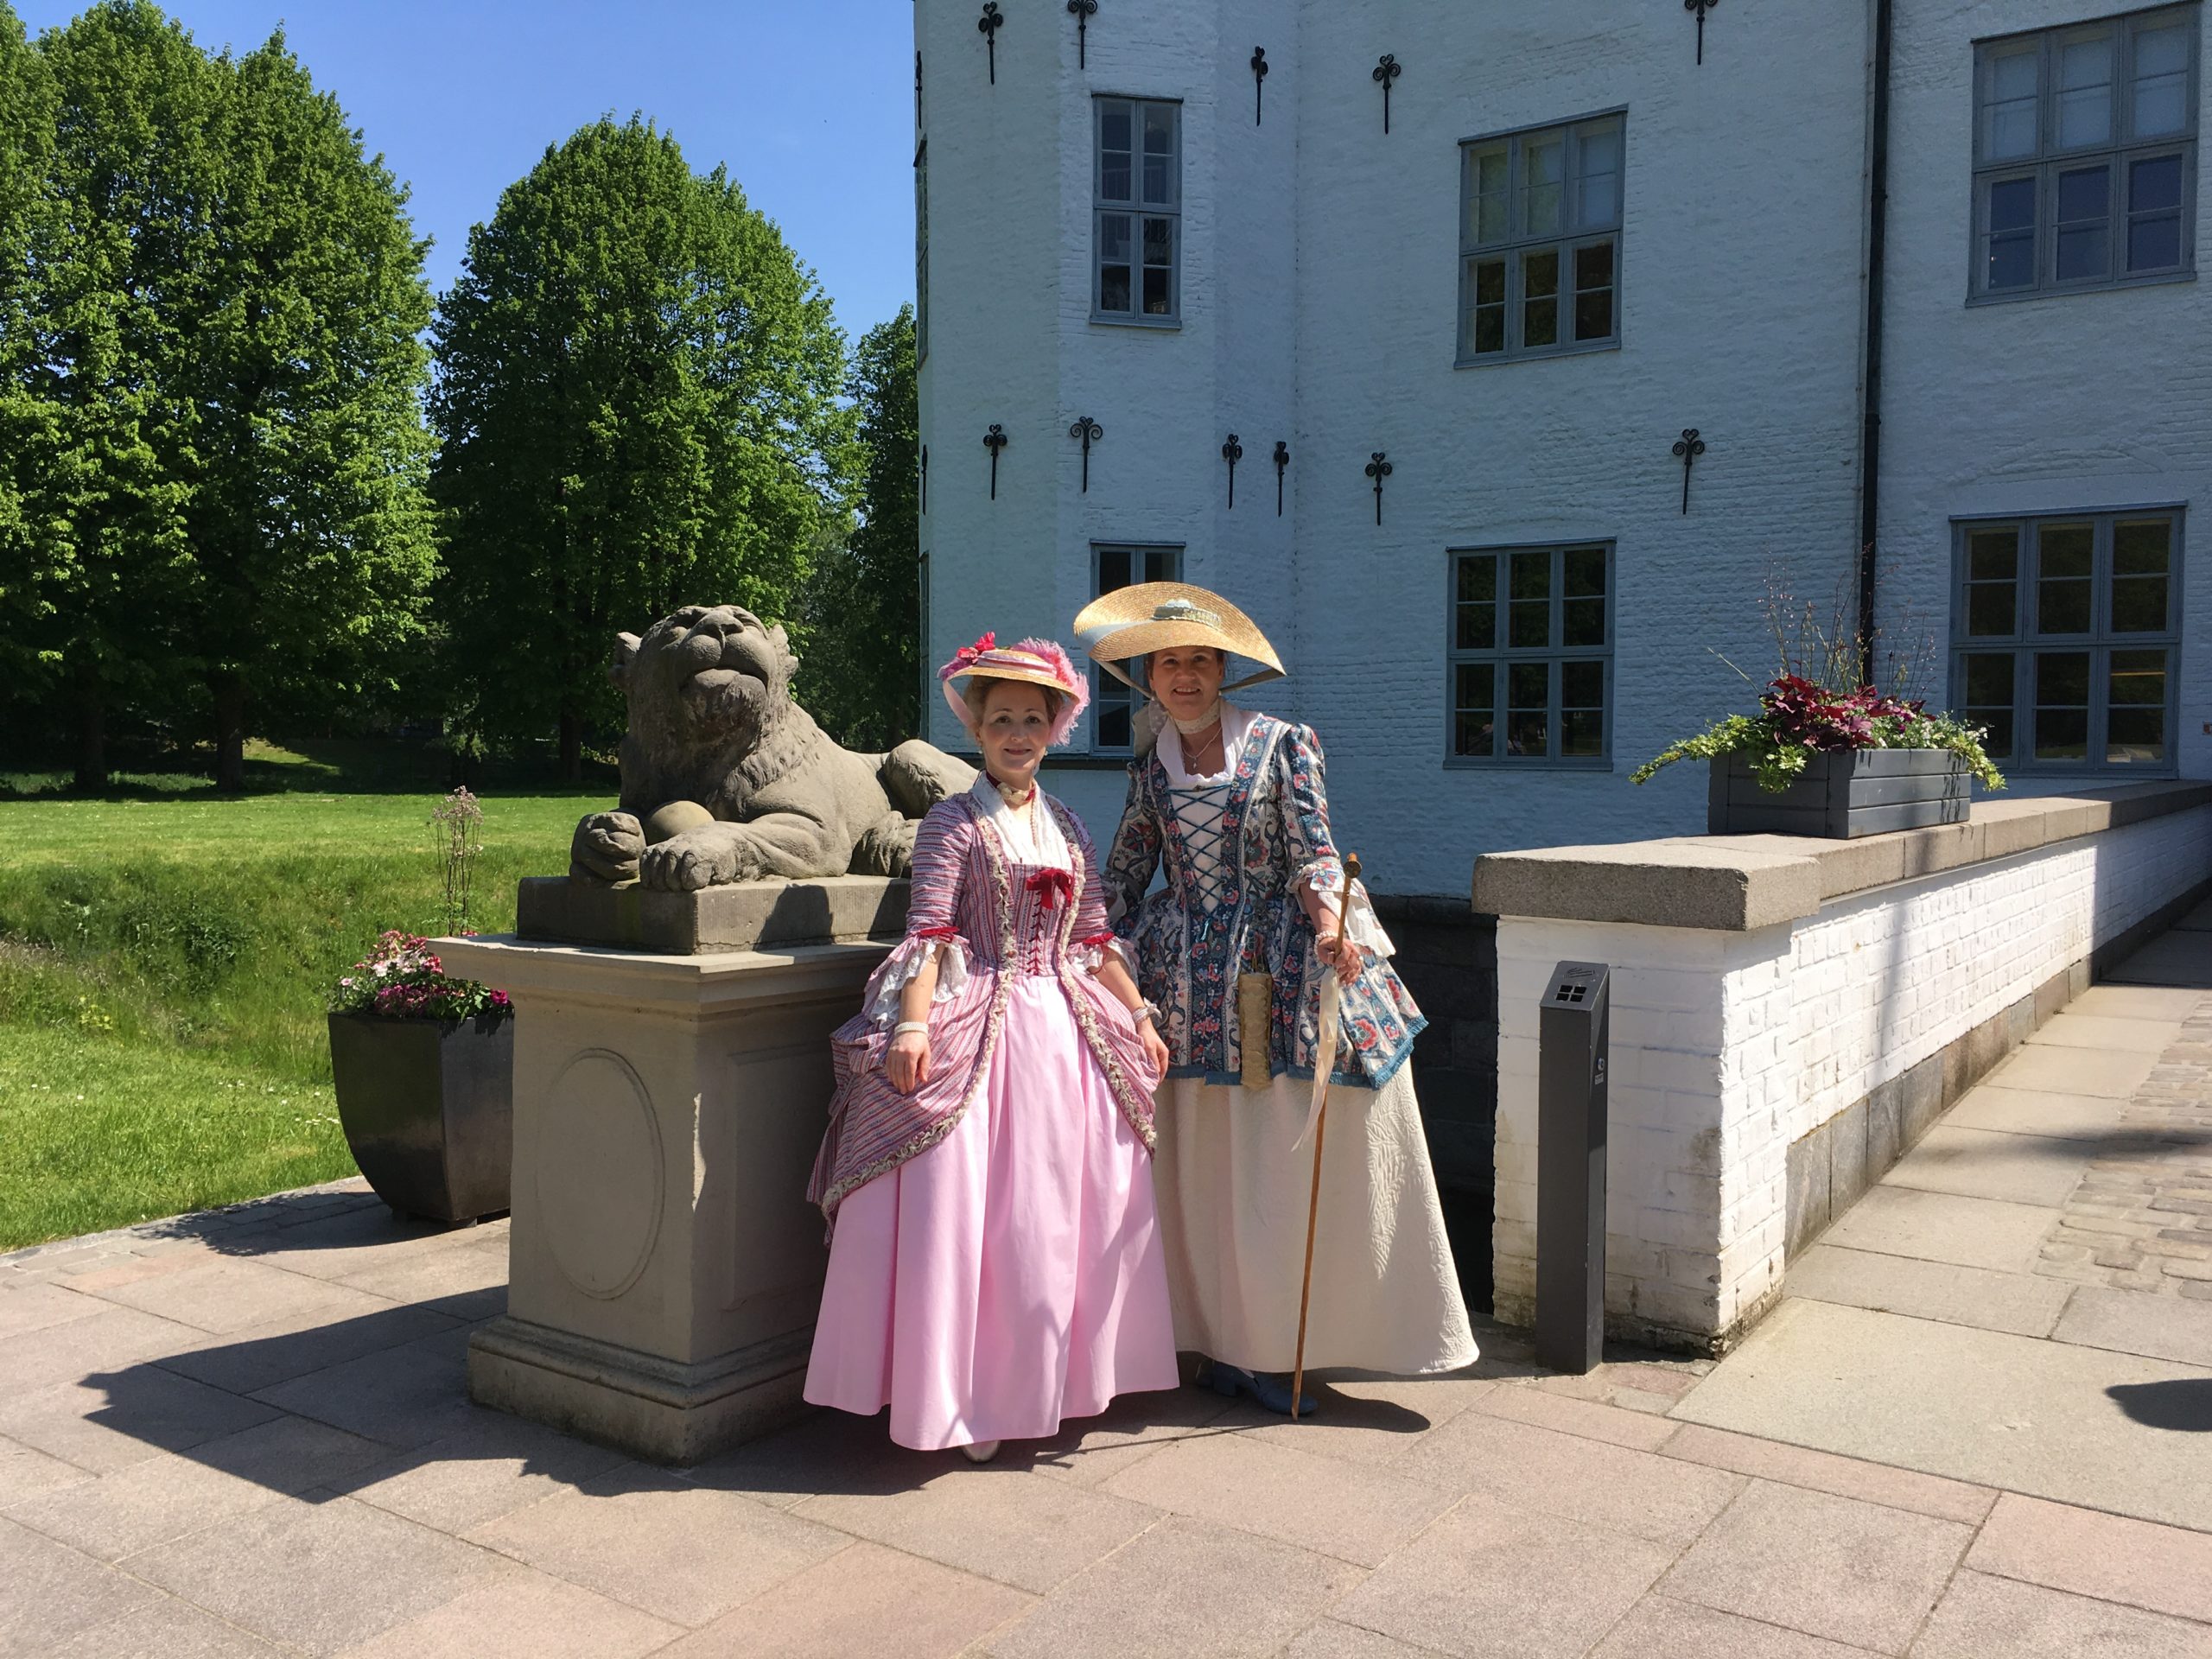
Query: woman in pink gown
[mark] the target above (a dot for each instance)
(995, 1262)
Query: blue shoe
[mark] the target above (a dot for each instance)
(1272, 1392)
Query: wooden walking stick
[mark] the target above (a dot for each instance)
(1324, 1060)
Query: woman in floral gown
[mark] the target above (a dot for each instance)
(1232, 803)
(995, 1262)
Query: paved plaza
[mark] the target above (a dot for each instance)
(1979, 1427)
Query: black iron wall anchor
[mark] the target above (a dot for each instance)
(996, 440)
(1232, 452)
(1083, 11)
(989, 24)
(1386, 70)
(1089, 431)
(1700, 7)
(1687, 448)
(1378, 469)
(926, 478)
(1259, 79)
(1282, 460)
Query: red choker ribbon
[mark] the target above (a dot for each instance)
(1057, 888)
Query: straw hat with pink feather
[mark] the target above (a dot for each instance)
(1033, 662)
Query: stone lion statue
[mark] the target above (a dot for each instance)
(725, 778)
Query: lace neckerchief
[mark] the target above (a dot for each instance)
(1235, 725)
(1037, 841)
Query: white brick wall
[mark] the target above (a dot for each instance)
(1319, 298)
(1728, 1047)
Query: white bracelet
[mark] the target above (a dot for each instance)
(904, 1025)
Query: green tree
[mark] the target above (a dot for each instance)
(106, 562)
(308, 510)
(637, 408)
(26, 112)
(863, 604)
(225, 470)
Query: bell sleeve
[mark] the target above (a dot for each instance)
(932, 933)
(1093, 936)
(1134, 859)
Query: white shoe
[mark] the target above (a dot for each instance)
(980, 1451)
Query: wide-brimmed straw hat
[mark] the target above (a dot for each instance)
(1033, 662)
(1151, 616)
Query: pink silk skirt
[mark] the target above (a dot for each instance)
(1012, 1275)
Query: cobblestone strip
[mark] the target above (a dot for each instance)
(65, 1257)
(2141, 1219)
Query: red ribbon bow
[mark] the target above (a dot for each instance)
(1057, 887)
(967, 654)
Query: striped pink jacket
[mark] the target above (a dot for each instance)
(1009, 919)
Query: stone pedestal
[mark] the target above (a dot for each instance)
(665, 1265)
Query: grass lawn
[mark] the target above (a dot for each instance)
(166, 959)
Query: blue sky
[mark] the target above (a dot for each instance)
(810, 103)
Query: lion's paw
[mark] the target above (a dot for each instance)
(711, 856)
(607, 847)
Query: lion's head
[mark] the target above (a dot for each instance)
(706, 688)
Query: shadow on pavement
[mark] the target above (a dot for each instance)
(2184, 1404)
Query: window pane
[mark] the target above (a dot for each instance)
(2161, 81)
(1476, 626)
(2136, 717)
(1113, 727)
(1989, 699)
(2012, 255)
(2154, 213)
(1527, 708)
(1531, 605)
(1113, 569)
(1160, 154)
(1593, 291)
(1486, 187)
(1993, 555)
(1992, 590)
(1474, 716)
(1582, 735)
(1161, 564)
(1540, 297)
(1598, 184)
(2008, 114)
(1114, 151)
(2062, 706)
(2140, 546)
(2083, 223)
(1158, 301)
(2138, 576)
(1581, 685)
(1113, 288)
(1583, 622)
(2085, 90)
(1542, 161)
(2064, 554)
(1486, 315)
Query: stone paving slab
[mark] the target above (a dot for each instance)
(2079, 1425)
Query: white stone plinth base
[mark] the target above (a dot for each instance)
(664, 1265)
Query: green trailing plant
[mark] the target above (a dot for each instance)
(1820, 703)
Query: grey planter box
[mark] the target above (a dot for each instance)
(428, 1107)
(1845, 795)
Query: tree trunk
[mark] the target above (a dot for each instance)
(92, 730)
(230, 736)
(572, 749)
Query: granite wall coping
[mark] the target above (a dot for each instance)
(1736, 883)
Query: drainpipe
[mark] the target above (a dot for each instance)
(1870, 379)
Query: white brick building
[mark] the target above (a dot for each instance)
(2045, 391)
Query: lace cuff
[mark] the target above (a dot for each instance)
(1360, 924)
(900, 968)
(1090, 954)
